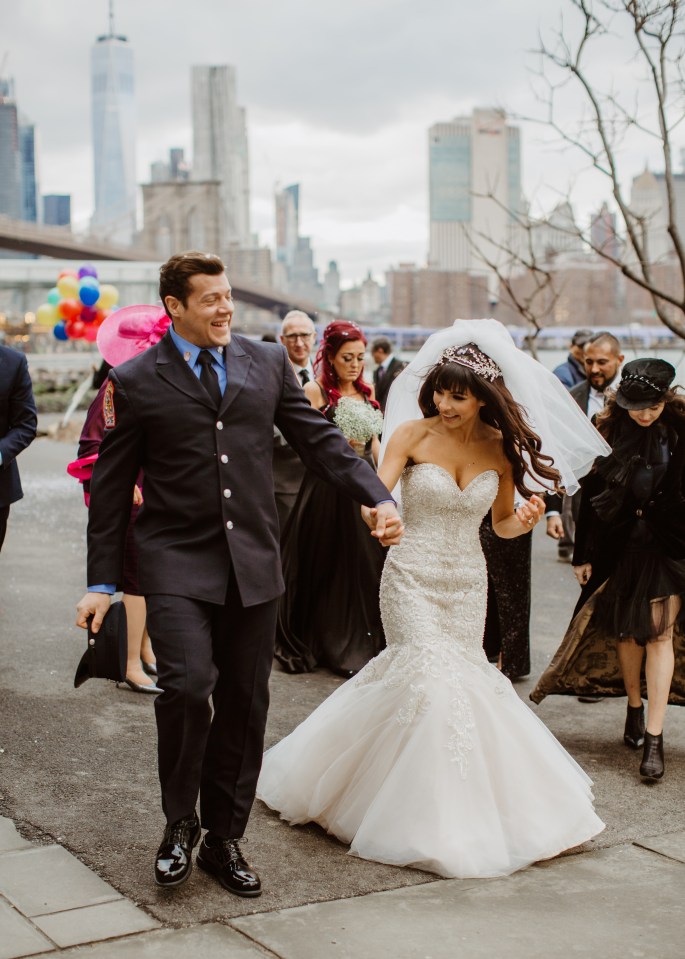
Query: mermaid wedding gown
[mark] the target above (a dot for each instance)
(428, 757)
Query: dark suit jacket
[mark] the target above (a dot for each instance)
(383, 385)
(209, 494)
(581, 394)
(17, 420)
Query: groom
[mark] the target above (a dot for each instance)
(196, 413)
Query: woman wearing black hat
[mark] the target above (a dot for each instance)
(629, 559)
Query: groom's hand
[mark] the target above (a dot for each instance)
(388, 524)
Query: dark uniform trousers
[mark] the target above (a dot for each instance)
(224, 653)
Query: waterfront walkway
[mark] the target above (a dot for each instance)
(79, 817)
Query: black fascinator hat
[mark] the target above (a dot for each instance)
(644, 383)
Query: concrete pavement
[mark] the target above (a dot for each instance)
(77, 776)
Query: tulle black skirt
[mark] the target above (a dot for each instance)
(329, 614)
(644, 595)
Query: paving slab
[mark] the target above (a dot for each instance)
(93, 923)
(9, 837)
(671, 845)
(591, 904)
(18, 937)
(210, 941)
(48, 879)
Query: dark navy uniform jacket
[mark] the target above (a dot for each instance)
(17, 420)
(209, 496)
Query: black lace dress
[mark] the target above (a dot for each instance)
(329, 613)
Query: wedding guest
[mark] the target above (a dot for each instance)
(387, 370)
(629, 559)
(329, 614)
(18, 423)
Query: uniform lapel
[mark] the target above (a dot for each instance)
(237, 367)
(174, 369)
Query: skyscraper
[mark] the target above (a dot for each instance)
(10, 153)
(29, 172)
(57, 209)
(287, 224)
(114, 136)
(474, 185)
(220, 149)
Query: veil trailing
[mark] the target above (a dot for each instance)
(566, 433)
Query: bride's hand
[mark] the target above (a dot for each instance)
(531, 511)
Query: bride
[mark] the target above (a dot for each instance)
(428, 758)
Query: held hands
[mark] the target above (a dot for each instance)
(95, 605)
(583, 573)
(530, 512)
(384, 522)
(555, 527)
(137, 496)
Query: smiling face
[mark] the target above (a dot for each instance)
(205, 319)
(601, 364)
(648, 416)
(456, 408)
(348, 362)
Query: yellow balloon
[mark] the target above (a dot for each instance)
(68, 287)
(46, 314)
(109, 297)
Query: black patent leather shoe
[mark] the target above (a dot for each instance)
(652, 766)
(174, 861)
(224, 859)
(634, 732)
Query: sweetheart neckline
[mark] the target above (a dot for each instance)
(447, 473)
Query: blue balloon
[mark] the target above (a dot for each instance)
(59, 331)
(87, 270)
(89, 291)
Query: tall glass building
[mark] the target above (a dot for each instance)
(474, 187)
(114, 137)
(10, 153)
(220, 150)
(29, 173)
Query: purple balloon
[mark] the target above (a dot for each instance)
(87, 270)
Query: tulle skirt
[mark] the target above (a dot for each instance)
(409, 773)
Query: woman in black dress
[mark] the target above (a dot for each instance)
(629, 558)
(329, 614)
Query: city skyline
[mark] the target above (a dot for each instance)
(340, 102)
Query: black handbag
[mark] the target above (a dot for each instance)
(106, 653)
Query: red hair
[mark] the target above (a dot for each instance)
(334, 337)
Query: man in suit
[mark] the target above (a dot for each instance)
(17, 427)
(602, 359)
(298, 337)
(196, 412)
(388, 368)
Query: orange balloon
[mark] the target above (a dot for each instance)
(69, 309)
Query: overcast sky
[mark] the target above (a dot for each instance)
(339, 97)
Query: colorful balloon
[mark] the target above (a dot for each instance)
(75, 329)
(54, 296)
(87, 270)
(109, 296)
(68, 286)
(89, 291)
(90, 333)
(59, 331)
(69, 309)
(88, 314)
(46, 314)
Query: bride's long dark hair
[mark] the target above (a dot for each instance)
(522, 446)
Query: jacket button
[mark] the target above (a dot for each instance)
(224, 458)
(229, 525)
(219, 425)
(227, 493)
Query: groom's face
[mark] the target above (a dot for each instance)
(205, 318)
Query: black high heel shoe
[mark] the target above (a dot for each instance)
(652, 766)
(634, 733)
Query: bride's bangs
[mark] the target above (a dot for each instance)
(455, 378)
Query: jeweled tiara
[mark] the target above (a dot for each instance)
(470, 356)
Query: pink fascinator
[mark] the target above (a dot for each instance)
(130, 331)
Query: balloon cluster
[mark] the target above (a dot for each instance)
(78, 304)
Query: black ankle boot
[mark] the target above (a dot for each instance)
(634, 733)
(652, 767)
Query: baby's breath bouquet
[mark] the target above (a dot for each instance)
(358, 421)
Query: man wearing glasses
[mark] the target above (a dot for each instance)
(298, 337)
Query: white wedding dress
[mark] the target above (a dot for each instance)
(428, 757)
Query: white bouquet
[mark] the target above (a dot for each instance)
(358, 421)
